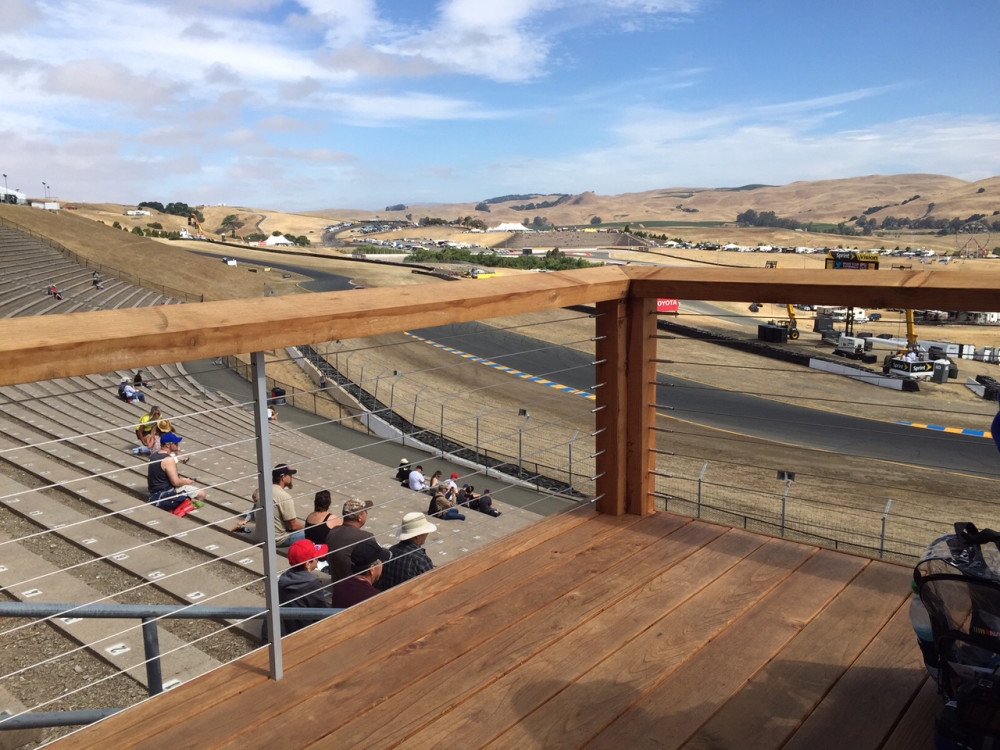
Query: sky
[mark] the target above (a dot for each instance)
(312, 104)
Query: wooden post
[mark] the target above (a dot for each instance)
(640, 406)
(609, 419)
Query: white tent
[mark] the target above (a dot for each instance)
(510, 227)
(277, 239)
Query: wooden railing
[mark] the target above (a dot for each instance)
(80, 343)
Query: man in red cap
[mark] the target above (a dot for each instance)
(297, 586)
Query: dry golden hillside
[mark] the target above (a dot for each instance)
(820, 201)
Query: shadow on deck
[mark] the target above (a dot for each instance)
(584, 629)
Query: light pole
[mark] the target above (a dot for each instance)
(5, 183)
(45, 190)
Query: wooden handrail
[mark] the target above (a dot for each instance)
(53, 346)
(935, 290)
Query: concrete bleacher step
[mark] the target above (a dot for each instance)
(187, 580)
(193, 530)
(117, 642)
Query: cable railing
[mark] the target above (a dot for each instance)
(611, 446)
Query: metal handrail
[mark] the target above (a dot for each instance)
(149, 614)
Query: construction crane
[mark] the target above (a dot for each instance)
(201, 232)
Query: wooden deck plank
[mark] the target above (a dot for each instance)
(776, 700)
(862, 708)
(221, 685)
(586, 700)
(402, 627)
(509, 698)
(668, 714)
(405, 711)
(915, 729)
(459, 625)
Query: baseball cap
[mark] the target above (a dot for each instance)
(454, 475)
(169, 437)
(353, 506)
(303, 551)
(278, 471)
(365, 553)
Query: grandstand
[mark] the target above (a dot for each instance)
(74, 526)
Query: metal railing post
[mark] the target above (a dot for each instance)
(413, 421)
(784, 495)
(701, 476)
(267, 511)
(881, 544)
(441, 426)
(569, 452)
(520, 438)
(151, 649)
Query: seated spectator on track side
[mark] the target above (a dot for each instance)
(366, 564)
(441, 507)
(468, 497)
(416, 481)
(434, 481)
(451, 487)
(138, 382)
(321, 520)
(144, 431)
(342, 539)
(167, 488)
(288, 528)
(298, 586)
(52, 291)
(97, 281)
(129, 394)
(485, 504)
(409, 558)
(403, 472)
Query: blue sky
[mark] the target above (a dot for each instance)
(307, 104)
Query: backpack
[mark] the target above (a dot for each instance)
(958, 583)
(121, 392)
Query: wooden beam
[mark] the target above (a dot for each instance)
(936, 290)
(54, 346)
(609, 419)
(640, 400)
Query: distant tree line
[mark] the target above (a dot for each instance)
(176, 209)
(859, 225)
(554, 260)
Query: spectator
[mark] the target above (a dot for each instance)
(416, 480)
(341, 539)
(298, 586)
(485, 504)
(468, 497)
(451, 487)
(409, 558)
(138, 382)
(272, 414)
(442, 507)
(366, 564)
(435, 480)
(403, 472)
(127, 393)
(145, 429)
(321, 520)
(167, 488)
(288, 529)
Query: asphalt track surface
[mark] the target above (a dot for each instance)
(734, 411)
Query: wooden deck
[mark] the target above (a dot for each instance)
(589, 630)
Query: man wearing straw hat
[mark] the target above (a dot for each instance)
(409, 558)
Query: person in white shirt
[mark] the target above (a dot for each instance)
(416, 479)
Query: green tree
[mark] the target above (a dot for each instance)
(137, 230)
(595, 220)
